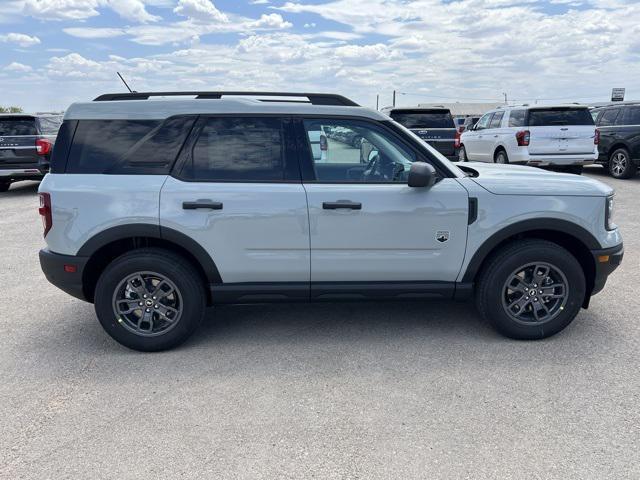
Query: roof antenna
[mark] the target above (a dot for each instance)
(125, 83)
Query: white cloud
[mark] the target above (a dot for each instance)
(260, 2)
(91, 32)
(20, 39)
(272, 20)
(133, 10)
(18, 67)
(200, 10)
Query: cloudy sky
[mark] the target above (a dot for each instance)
(54, 52)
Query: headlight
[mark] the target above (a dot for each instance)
(608, 214)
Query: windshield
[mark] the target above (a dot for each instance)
(446, 162)
(423, 118)
(559, 116)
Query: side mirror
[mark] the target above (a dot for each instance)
(421, 175)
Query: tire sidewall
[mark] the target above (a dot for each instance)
(502, 154)
(462, 154)
(493, 292)
(174, 269)
(629, 167)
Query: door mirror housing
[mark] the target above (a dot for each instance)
(421, 175)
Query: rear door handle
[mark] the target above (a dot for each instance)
(342, 204)
(202, 203)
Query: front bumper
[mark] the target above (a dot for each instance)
(64, 271)
(606, 261)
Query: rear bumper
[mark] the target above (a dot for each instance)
(53, 266)
(23, 173)
(606, 261)
(526, 158)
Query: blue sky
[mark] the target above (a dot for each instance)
(54, 52)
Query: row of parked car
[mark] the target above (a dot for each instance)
(564, 137)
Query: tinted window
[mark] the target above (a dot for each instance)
(17, 126)
(543, 117)
(496, 120)
(484, 121)
(238, 149)
(516, 118)
(49, 125)
(632, 116)
(127, 146)
(357, 152)
(608, 117)
(423, 118)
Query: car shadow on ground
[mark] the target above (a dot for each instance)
(21, 189)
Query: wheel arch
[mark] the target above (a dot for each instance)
(574, 238)
(113, 242)
(499, 148)
(617, 145)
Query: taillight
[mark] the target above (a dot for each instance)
(596, 137)
(45, 212)
(456, 140)
(43, 146)
(523, 137)
(323, 143)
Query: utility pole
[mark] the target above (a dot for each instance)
(505, 98)
(377, 101)
(394, 98)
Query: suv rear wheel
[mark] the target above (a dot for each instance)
(501, 157)
(149, 299)
(531, 289)
(620, 164)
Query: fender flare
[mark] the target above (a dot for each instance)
(524, 226)
(148, 230)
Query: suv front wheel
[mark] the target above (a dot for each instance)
(149, 299)
(531, 289)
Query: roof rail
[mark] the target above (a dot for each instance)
(313, 98)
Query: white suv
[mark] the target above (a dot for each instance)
(155, 209)
(557, 136)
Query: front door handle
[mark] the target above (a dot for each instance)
(202, 203)
(342, 204)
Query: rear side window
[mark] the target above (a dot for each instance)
(127, 146)
(15, 126)
(238, 150)
(632, 116)
(608, 117)
(548, 117)
(516, 118)
(423, 118)
(496, 120)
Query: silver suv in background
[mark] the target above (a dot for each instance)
(26, 143)
(562, 136)
(219, 199)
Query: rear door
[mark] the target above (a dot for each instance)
(561, 131)
(236, 191)
(434, 126)
(18, 136)
(607, 120)
(474, 140)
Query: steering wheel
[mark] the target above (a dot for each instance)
(370, 171)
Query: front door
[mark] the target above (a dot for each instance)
(366, 224)
(475, 140)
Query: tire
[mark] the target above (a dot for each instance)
(4, 186)
(493, 297)
(117, 288)
(620, 164)
(501, 157)
(462, 154)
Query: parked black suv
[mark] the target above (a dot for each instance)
(619, 148)
(433, 125)
(26, 142)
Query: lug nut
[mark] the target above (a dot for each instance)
(148, 310)
(156, 306)
(140, 303)
(144, 296)
(154, 298)
(535, 299)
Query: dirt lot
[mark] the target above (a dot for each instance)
(346, 390)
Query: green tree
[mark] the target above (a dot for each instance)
(11, 110)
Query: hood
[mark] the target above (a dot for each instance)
(520, 180)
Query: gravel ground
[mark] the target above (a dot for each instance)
(346, 390)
